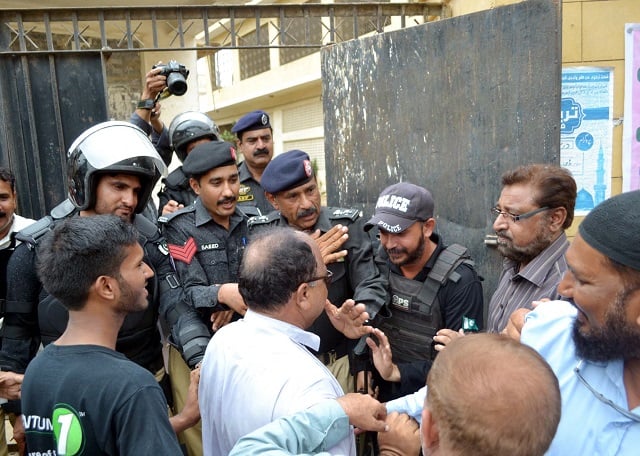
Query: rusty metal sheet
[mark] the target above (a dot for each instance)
(449, 105)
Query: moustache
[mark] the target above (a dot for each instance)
(260, 152)
(503, 234)
(396, 251)
(306, 212)
(229, 199)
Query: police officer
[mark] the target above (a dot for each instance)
(187, 130)
(432, 285)
(206, 241)
(291, 187)
(255, 142)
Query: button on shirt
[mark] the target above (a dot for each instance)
(518, 288)
(256, 370)
(587, 425)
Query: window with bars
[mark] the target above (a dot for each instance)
(256, 60)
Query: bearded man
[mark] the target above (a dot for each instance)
(534, 209)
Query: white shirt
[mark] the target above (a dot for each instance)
(18, 224)
(257, 370)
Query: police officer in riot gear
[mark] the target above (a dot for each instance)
(186, 131)
(111, 169)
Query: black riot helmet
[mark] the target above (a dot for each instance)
(189, 126)
(111, 148)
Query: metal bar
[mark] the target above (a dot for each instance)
(21, 40)
(47, 32)
(205, 25)
(103, 32)
(109, 18)
(154, 29)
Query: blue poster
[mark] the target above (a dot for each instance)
(586, 132)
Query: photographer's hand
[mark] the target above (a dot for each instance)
(154, 84)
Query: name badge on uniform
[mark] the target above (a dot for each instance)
(212, 246)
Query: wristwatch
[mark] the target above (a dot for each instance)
(147, 104)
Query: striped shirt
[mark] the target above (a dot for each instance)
(518, 288)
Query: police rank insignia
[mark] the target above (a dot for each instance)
(184, 253)
(245, 194)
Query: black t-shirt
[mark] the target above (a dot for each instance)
(90, 400)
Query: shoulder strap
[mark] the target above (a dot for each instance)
(146, 227)
(271, 218)
(177, 179)
(167, 218)
(443, 269)
(335, 213)
(32, 234)
(63, 210)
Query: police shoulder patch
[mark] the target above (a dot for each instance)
(344, 213)
(263, 219)
(167, 218)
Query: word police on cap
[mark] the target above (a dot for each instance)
(394, 202)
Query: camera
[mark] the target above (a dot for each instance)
(176, 77)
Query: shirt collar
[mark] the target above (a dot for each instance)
(534, 271)
(296, 334)
(203, 216)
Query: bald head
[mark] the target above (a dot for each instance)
(274, 265)
(489, 395)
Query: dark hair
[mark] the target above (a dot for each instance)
(276, 262)
(78, 251)
(555, 186)
(7, 176)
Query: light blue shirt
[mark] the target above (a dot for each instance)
(309, 432)
(588, 426)
(410, 404)
(257, 370)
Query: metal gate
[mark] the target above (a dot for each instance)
(53, 64)
(449, 105)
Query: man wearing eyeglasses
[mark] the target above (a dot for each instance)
(261, 368)
(291, 187)
(592, 342)
(535, 207)
(432, 286)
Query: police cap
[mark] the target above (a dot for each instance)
(255, 120)
(286, 171)
(208, 156)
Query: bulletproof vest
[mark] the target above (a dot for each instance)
(138, 338)
(416, 308)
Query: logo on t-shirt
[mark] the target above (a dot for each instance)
(67, 430)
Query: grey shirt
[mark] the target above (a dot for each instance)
(518, 288)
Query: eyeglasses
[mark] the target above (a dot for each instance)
(515, 218)
(327, 278)
(602, 398)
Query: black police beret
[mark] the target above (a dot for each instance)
(208, 156)
(286, 171)
(255, 120)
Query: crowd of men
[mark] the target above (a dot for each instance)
(287, 326)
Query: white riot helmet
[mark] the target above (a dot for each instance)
(112, 147)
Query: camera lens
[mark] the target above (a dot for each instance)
(176, 83)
